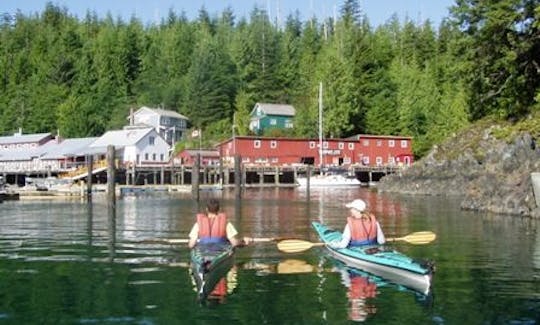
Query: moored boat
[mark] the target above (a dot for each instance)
(328, 181)
(210, 263)
(381, 261)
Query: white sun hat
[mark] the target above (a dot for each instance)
(357, 204)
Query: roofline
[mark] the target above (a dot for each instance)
(350, 139)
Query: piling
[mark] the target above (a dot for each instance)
(195, 177)
(89, 167)
(238, 176)
(111, 200)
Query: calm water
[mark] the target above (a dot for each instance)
(67, 262)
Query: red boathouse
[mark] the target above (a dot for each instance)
(367, 150)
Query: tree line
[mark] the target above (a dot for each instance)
(81, 76)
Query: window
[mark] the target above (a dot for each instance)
(403, 143)
(379, 161)
(391, 143)
(351, 146)
(365, 142)
(146, 156)
(341, 145)
(154, 157)
(273, 121)
(379, 143)
(151, 140)
(273, 144)
(325, 145)
(257, 143)
(347, 160)
(365, 160)
(312, 145)
(162, 157)
(274, 160)
(288, 124)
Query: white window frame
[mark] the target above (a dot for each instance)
(403, 143)
(351, 146)
(256, 144)
(391, 143)
(312, 145)
(273, 144)
(365, 143)
(341, 145)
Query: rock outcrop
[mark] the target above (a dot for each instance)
(490, 174)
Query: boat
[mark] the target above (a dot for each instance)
(381, 261)
(209, 264)
(328, 180)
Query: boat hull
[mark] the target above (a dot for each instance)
(210, 263)
(328, 181)
(380, 261)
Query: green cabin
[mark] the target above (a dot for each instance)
(268, 116)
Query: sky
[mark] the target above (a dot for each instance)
(152, 11)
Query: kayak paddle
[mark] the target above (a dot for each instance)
(416, 238)
(298, 245)
(186, 240)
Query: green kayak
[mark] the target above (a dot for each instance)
(210, 263)
(381, 261)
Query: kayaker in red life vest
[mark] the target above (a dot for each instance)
(362, 227)
(212, 227)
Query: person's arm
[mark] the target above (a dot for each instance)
(193, 236)
(345, 239)
(232, 234)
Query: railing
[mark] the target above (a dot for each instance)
(82, 170)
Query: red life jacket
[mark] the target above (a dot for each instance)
(212, 230)
(363, 232)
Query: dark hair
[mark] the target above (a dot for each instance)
(212, 206)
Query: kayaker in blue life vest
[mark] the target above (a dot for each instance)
(362, 227)
(212, 227)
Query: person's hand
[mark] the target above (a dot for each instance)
(248, 240)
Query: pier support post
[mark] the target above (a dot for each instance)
(89, 167)
(238, 176)
(111, 177)
(195, 177)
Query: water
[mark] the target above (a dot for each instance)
(66, 262)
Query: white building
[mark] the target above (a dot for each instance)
(169, 124)
(139, 146)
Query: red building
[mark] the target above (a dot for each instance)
(188, 157)
(368, 150)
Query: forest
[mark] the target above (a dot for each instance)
(80, 76)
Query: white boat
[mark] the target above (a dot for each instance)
(329, 180)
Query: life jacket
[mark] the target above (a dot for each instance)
(212, 230)
(363, 232)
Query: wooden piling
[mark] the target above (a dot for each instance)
(111, 177)
(195, 177)
(89, 166)
(238, 176)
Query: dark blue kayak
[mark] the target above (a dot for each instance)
(380, 260)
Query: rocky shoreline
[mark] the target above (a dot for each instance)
(489, 174)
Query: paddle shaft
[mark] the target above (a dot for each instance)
(186, 240)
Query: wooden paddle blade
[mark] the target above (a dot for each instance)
(296, 245)
(417, 238)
